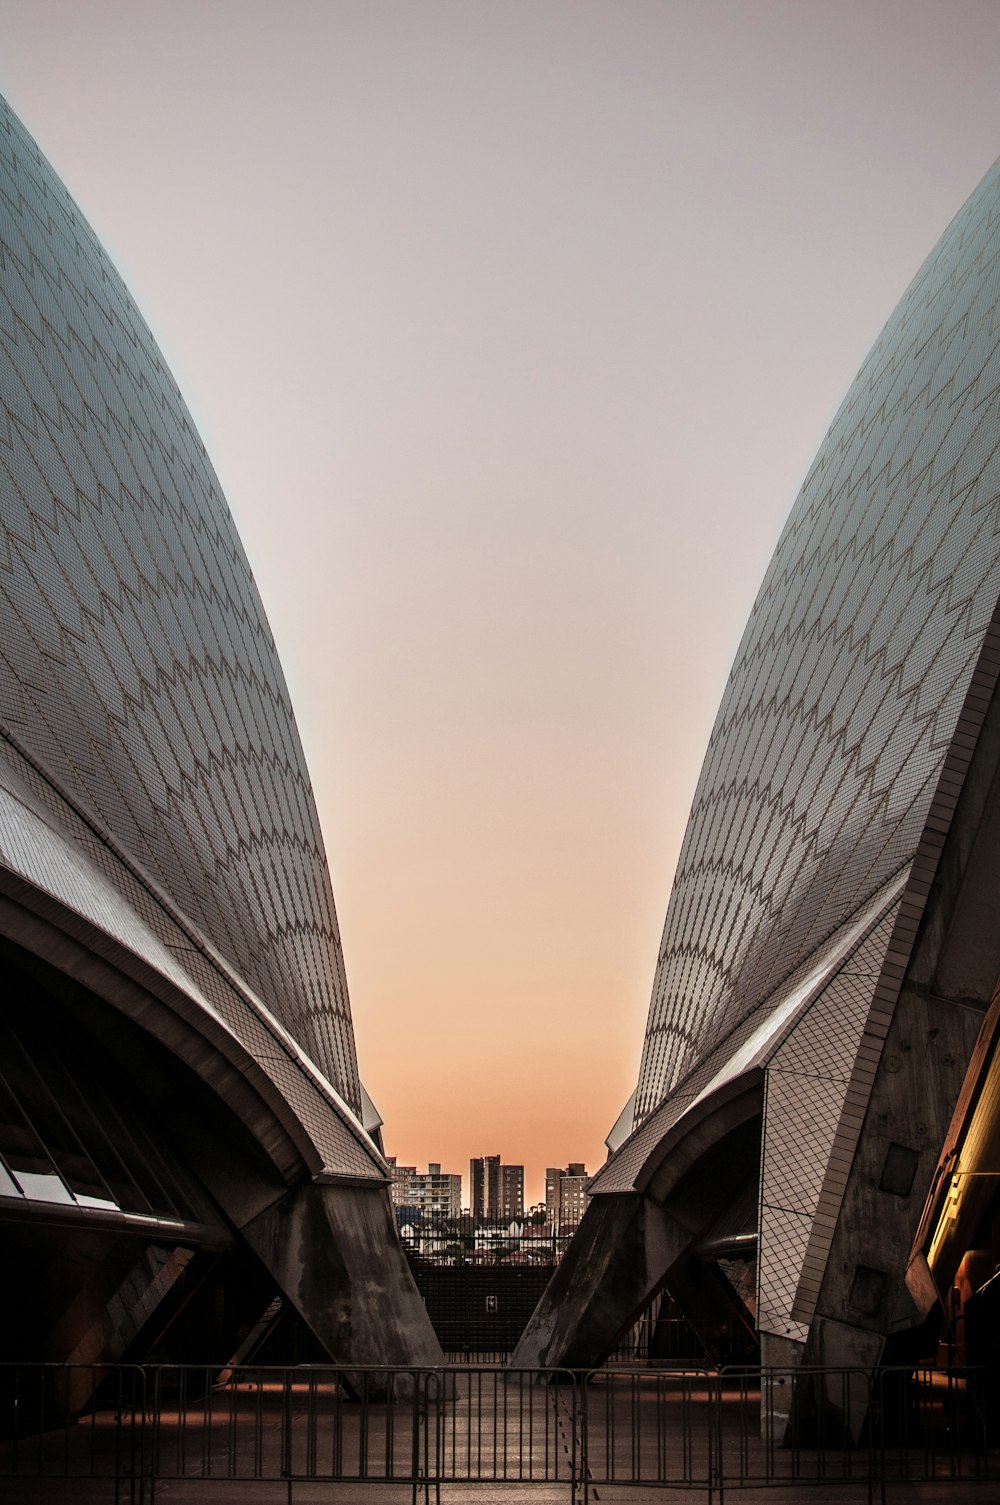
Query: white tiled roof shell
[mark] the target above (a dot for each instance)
(137, 669)
(852, 671)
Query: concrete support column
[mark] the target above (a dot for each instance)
(334, 1252)
(780, 1358)
(623, 1248)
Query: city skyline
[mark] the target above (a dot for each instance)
(439, 1193)
(485, 287)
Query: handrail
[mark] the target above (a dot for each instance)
(699, 1430)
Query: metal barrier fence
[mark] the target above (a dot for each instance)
(119, 1432)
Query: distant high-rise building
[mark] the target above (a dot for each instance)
(496, 1192)
(434, 1193)
(553, 1175)
(401, 1177)
(511, 1192)
(565, 1194)
(484, 1186)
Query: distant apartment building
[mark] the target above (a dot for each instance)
(401, 1177)
(511, 1193)
(496, 1192)
(484, 1186)
(434, 1193)
(565, 1195)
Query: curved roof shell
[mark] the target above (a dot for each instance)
(138, 675)
(849, 681)
(137, 670)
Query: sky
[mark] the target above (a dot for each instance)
(511, 327)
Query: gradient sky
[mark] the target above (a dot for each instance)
(511, 327)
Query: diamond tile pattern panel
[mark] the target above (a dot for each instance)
(785, 1234)
(825, 1040)
(138, 669)
(801, 1115)
(852, 671)
(807, 1079)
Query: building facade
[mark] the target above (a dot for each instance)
(496, 1191)
(183, 1087)
(432, 1194)
(484, 1187)
(565, 1196)
(511, 1193)
(828, 965)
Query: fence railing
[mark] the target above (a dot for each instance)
(438, 1430)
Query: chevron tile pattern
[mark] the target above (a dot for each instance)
(137, 672)
(852, 672)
